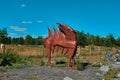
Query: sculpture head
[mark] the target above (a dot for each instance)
(68, 31)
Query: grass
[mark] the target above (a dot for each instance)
(39, 55)
(27, 51)
(110, 75)
(36, 55)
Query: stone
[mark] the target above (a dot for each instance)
(98, 74)
(108, 56)
(116, 65)
(67, 78)
(116, 57)
(118, 75)
(104, 68)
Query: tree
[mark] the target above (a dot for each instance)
(82, 39)
(13, 41)
(29, 40)
(90, 40)
(20, 40)
(98, 41)
(118, 41)
(110, 41)
(3, 35)
(8, 40)
(39, 40)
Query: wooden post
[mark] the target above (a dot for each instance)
(90, 50)
(79, 50)
(3, 48)
(43, 50)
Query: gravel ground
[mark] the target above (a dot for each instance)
(54, 73)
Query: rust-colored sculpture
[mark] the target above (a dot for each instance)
(66, 39)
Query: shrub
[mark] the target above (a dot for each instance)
(79, 60)
(42, 63)
(9, 58)
(111, 74)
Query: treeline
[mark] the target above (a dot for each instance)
(88, 39)
(28, 40)
(83, 39)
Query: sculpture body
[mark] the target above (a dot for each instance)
(66, 39)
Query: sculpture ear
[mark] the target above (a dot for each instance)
(58, 23)
(74, 31)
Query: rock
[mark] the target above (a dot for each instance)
(108, 56)
(67, 78)
(101, 74)
(116, 65)
(116, 57)
(104, 68)
(118, 75)
(98, 74)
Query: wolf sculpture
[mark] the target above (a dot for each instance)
(66, 39)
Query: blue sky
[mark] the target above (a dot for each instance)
(97, 17)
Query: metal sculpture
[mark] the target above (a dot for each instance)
(66, 39)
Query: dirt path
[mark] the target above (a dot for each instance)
(54, 73)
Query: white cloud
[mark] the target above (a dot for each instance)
(27, 22)
(13, 35)
(23, 5)
(16, 28)
(40, 21)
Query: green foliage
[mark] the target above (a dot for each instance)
(29, 40)
(17, 40)
(110, 75)
(118, 41)
(39, 40)
(9, 58)
(110, 41)
(3, 35)
(33, 61)
(79, 60)
(98, 64)
(42, 63)
(82, 39)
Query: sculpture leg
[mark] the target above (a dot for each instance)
(49, 57)
(73, 63)
(70, 55)
(73, 60)
(52, 49)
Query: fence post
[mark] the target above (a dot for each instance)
(3, 48)
(90, 50)
(79, 50)
(43, 50)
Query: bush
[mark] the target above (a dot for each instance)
(9, 58)
(79, 60)
(111, 74)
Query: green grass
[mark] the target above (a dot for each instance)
(33, 55)
(110, 75)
